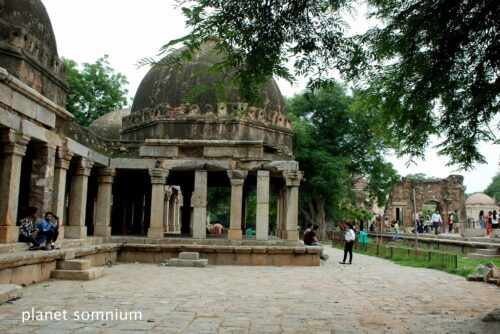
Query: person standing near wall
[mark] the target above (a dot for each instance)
(481, 219)
(436, 221)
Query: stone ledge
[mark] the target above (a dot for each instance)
(10, 292)
(79, 275)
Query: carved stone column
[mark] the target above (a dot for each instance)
(237, 178)
(292, 179)
(104, 200)
(158, 180)
(262, 216)
(63, 159)
(199, 203)
(166, 210)
(76, 228)
(13, 150)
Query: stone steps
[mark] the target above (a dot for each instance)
(188, 259)
(485, 253)
(76, 269)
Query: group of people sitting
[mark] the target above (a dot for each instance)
(41, 234)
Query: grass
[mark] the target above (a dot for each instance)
(442, 260)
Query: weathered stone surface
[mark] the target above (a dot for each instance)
(79, 275)
(76, 264)
(495, 233)
(471, 232)
(493, 316)
(10, 292)
(188, 263)
(189, 256)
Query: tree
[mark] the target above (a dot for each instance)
(431, 68)
(94, 90)
(493, 189)
(335, 147)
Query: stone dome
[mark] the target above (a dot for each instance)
(185, 102)
(109, 125)
(480, 199)
(172, 85)
(28, 48)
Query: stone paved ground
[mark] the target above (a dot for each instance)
(372, 296)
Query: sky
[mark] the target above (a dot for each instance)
(131, 30)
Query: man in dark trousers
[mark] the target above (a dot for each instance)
(349, 242)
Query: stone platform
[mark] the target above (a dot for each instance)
(20, 266)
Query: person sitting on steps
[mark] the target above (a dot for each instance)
(47, 230)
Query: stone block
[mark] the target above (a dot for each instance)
(300, 250)
(234, 234)
(189, 256)
(280, 250)
(259, 249)
(188, 263)
(10, 292)
(23, 105)
(489, 251)
(75, 264)
(216, 152)
(79, 275)
(471, 232)
(5, 276)
(243, 249)
(26, 274)
(45, 117)
(158, 151)
(224, 249)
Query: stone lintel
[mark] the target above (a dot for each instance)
(13, 142)
(237, 177)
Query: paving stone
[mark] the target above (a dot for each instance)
(10, 292)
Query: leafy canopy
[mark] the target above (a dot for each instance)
(94, 90)
(431, 68)
(493, 189)
(335, 147)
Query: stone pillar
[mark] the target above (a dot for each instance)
(281, 213)
(179, 202)
(13, 150)
(199, 203)
(166, 210)
(262, 215)
(237, 178)
(63, 158)
(292, 179)
(78, 200)
(158, 180)
(42, 177)
(104, 200)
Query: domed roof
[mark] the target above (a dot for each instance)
(479, 199)
(171, 85)
(28, 48)
(109, 125)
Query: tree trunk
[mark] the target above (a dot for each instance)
(314, 213)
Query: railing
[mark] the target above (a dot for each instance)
(430, 258)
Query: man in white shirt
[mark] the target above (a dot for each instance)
(436, 221)
(349, 242)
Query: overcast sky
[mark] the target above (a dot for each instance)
(131, 30)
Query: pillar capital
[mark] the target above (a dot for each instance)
(63, 158)
(83, 166)
(13, 142)
(237, 177)
(168, 192)
(158, 175)
(293, 177)
(106, 175)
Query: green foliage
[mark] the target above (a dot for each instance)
(421, 177)
(335, 146)
(430, 67)
(94, 90)
(493, 189)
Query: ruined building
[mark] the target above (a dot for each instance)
(140, 172)
(444, 195)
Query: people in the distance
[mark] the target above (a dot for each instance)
(218, 228)
(436, 221)
(481, 219)
(311, 239)
(362, 237)
(249, 231)
(454, 221)
(27, 231)
(349, 237)
(495, 224)
(396, 231)
(47, 230)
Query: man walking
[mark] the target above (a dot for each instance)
(436, 221)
